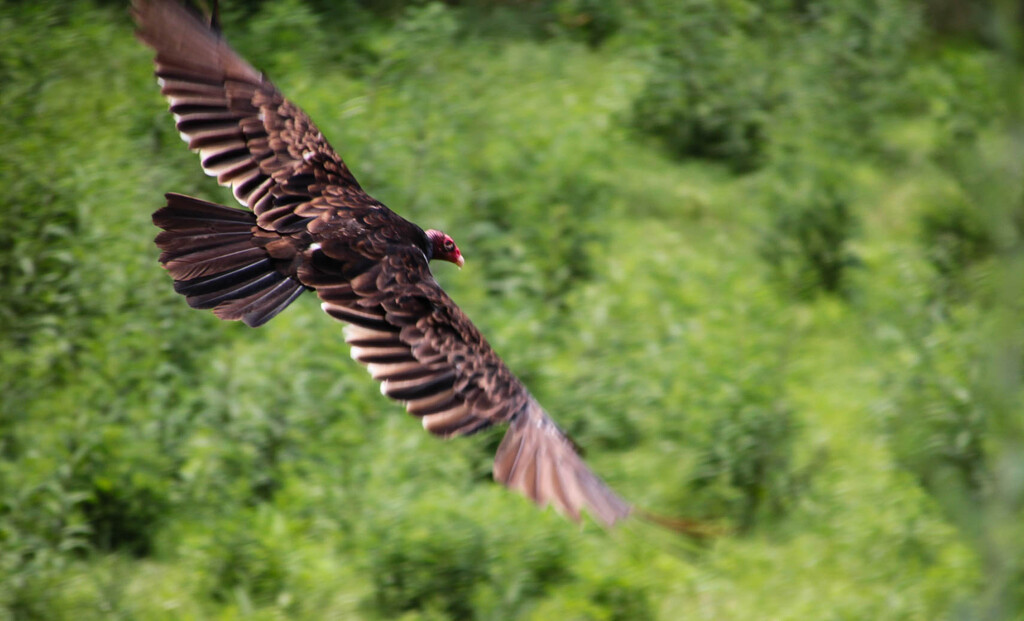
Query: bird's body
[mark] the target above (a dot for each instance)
(310, 226)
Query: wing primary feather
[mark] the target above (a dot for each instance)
(409, 390)
(216, 136)
(172, 85)
(245, 191)
(357, 316)
(572, 497)
(432, 404)
(398, 371)
(368, 337)
(384, 355)
(215, 118)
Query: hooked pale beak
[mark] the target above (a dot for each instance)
(460, 262)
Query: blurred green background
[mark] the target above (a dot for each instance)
(763, 260)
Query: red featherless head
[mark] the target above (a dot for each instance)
(444, 247)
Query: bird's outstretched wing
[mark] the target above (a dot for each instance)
(248, 135)
(262, 146)
(428, 354)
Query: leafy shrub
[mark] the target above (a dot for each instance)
(475, 561)
(547, 261)
(709, 94)
(435, 565)
(243, 558)
(593, 21)
(745, 467)
(126, 490)
(622, 600)
(955, 235)
(282, 36)
(735, 81)
(808, 244)
(406, 53)
(937, 430)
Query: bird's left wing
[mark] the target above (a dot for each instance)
(427, 354)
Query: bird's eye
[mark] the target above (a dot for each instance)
(449, 245)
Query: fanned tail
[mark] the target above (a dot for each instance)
(217, 261)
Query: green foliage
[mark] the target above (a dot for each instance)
(593, 21)
(808, 246)
(709, 92)
(433, 565)
(739, 81)
(861, 452)
(937, 423)
(247, 561)
(955, 235)
(746, 462)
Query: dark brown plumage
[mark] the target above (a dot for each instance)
(309, 226)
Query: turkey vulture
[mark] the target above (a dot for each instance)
(310, 226)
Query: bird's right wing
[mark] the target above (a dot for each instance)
(427, 354)
(248, 135)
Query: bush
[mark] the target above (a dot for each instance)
(808, 244)
(744, 469)
(125, 486)
(592, 21)
(955, 235)
(737, 81)
(710, 91)
(241, 558)
(937, 429)
(432, 566)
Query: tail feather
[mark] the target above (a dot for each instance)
(179, 242)
(262, 306)
(252, 287)
(224, 280)
(217, 262)
(192, 263)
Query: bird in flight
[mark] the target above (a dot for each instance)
(309, 226)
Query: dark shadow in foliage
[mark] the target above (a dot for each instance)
(430, 559)
(623, 601)
(418, 567)
(971, 19)
(243, 559)
(124, 517)
(126, 492)
(731, 79)
(591, 21)
(807, 245)
(937, 425)
(955, 235)
(746, 468)
(709, 94)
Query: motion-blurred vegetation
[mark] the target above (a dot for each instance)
(763, 260)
